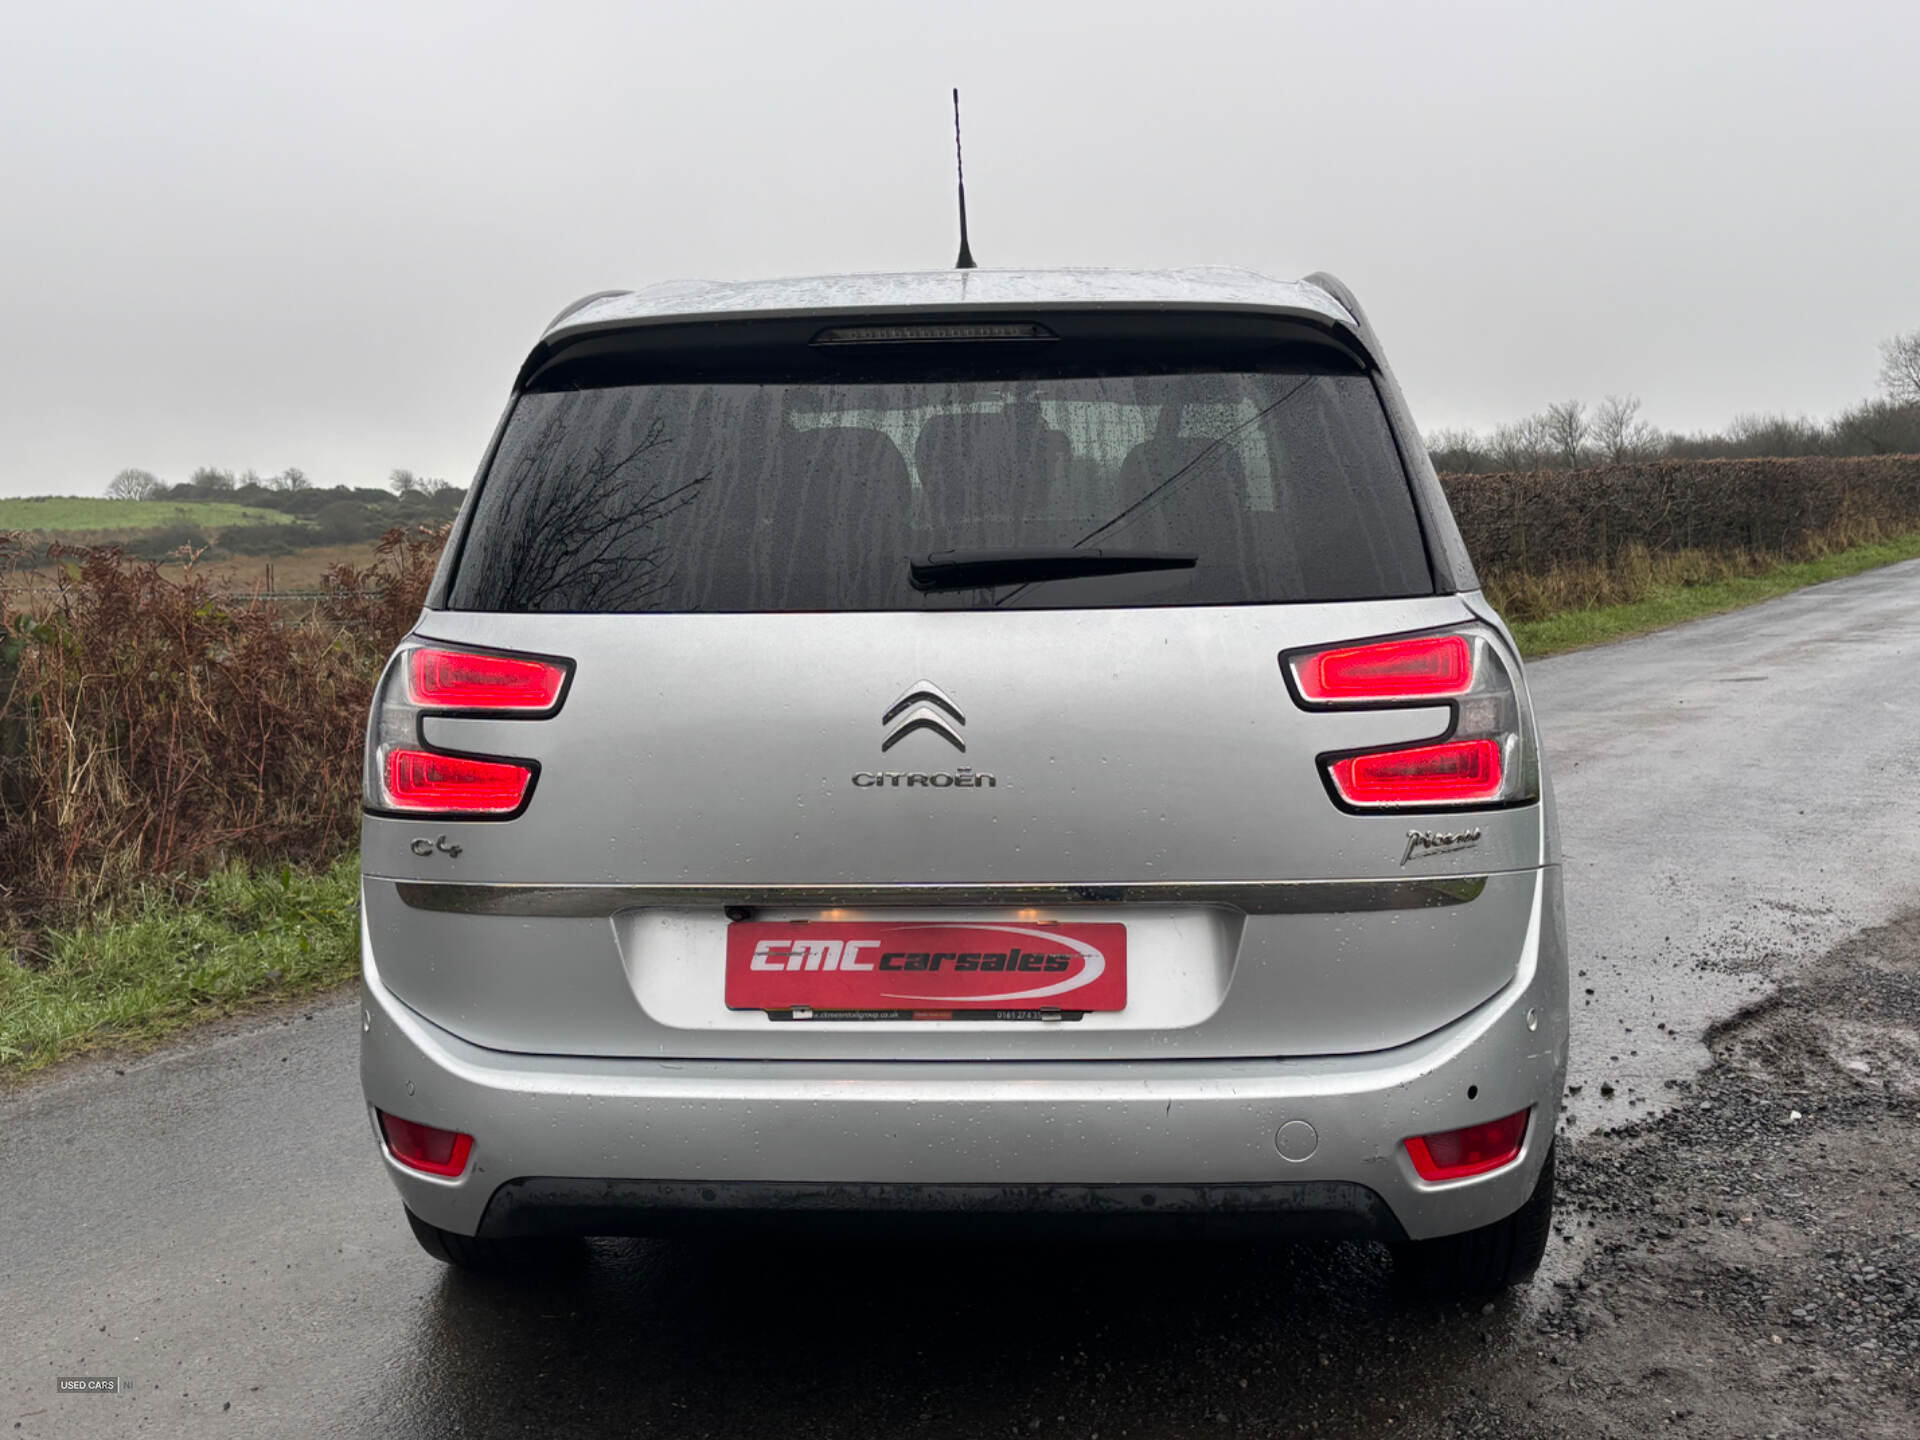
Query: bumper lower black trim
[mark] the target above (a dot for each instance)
(572, 1205)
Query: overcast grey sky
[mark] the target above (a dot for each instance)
(260, 235)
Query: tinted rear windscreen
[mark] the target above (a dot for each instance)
(1279, 485)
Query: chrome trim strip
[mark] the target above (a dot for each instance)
(1253, 897)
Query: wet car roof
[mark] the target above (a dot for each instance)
(922, 292)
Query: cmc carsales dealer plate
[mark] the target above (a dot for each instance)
(925, 970)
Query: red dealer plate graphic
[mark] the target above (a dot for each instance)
(917, 967)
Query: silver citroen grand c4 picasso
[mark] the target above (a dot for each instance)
(975, 744)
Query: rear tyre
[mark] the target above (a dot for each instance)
(1484, 1261)
(518, 1255)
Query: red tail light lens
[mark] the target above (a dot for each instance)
(405, 773)
(423, 1148)
(1428, 666)
(1457, 772)
(1485, 757)
(455, 784)
(463, 680)
(1476, 1150)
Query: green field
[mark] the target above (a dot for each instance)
(164, 962)
(76, 514)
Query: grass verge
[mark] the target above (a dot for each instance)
(160, 964)
(1671, 604)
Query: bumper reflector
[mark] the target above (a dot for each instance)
(1476, 1150)
(423, 1148)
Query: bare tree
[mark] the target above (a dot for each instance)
(431, 485)
(208, 477)
(291, 478)
(1773, 435)
(1619, 434)
(1456, 452)
(133, 485)
(1900, 368)
(1878, 427)
(1523, 445)
(403, 482)
(1566, 429)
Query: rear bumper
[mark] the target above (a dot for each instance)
(622, 1146)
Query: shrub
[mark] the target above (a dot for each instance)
(264, 539)
(1545, 540)
(162, 544)
(346, 520)
(150, 731)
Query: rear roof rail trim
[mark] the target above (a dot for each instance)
(582, 303)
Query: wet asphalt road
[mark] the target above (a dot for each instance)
(211, 1222)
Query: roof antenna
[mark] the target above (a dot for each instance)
(965, 262)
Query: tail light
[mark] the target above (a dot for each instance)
(443, 679)
(407, 775)
(1425, 667)
(424, 780)
(1459, 772)
(1485, 757)
(425, 1148)
(1476, 1150)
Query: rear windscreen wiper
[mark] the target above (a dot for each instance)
(981, 569)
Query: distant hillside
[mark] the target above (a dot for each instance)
(77, 515)
(229, 522)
